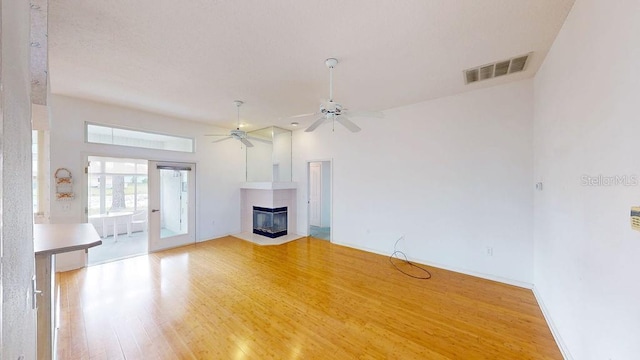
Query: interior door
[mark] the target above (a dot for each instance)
(315, 194)
(172, 205)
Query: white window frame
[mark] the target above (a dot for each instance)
(142, 134)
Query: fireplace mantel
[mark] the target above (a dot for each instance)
(268, 185)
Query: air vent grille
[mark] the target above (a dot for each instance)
(499, 68)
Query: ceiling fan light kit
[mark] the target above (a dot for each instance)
(330, 111)
(333, 111)
(237, 134)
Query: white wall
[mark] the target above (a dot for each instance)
(17, 319)
(587, 112)
(220, 166)
(453, 176)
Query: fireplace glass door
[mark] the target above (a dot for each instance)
(270, 222)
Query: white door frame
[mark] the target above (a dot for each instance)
(308, 195)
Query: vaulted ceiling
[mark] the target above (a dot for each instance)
(191, 59)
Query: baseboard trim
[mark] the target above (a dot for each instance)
(215, 237)
(518, 283)
(554, 331)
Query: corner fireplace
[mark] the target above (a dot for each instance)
(271, 223)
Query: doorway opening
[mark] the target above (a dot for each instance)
(319, 201)
(117, 206)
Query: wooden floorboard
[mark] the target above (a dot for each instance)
(307, 299)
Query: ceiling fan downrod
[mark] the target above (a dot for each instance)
(331, 63)
(238, 103)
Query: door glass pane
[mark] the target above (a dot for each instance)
(94, 205)
(120, 167)
(141, 168)
(116, 206)
(173, 202)
(142, 187)
(117, 185)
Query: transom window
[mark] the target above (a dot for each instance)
(102, 134)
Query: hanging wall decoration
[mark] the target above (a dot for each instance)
(64, 184)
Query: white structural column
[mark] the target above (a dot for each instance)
(18, 326)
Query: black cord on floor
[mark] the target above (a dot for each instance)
(406, 260)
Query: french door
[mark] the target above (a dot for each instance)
(171, 204)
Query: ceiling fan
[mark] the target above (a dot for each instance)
(333, 111)
(237, 133)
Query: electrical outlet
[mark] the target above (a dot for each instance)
(489, 251)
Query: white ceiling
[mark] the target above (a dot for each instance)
(192, 59)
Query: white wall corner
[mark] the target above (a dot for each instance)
(554, 331)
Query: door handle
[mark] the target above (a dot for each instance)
(154, 210)
(35, 293)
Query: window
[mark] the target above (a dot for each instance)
(117, 185)
(101, 134)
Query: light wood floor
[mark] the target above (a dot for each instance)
(308, 299)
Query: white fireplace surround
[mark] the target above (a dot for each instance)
(268, 195)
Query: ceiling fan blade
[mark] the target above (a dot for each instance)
(367, 114)
(246, 142)
(216, 134)
(302, 115)
(259, 139)
(347, 123)
(315, 125)
(223, 139)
